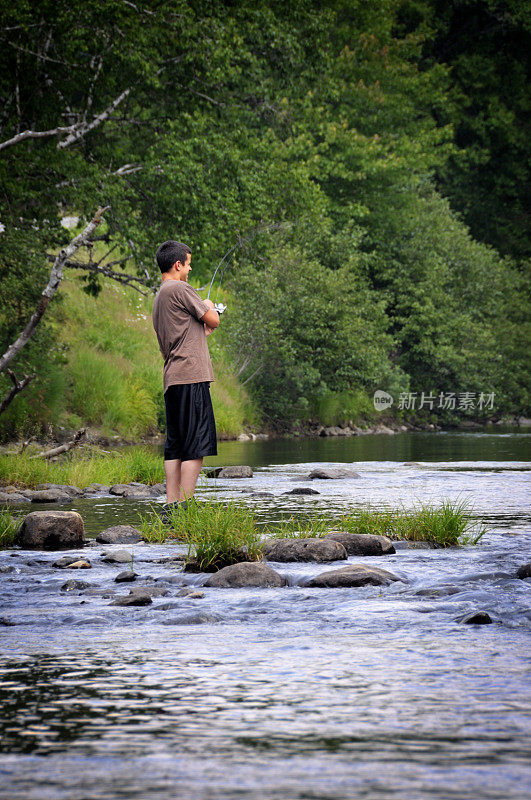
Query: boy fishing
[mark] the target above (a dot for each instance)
(182, 321)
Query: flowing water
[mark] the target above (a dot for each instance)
(374, 692)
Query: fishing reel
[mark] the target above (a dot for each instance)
(220, 308)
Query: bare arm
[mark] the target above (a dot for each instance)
(211, 318)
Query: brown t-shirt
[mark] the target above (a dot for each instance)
(177, 311)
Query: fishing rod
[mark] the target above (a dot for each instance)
(220, 308)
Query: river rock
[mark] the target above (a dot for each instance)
(68, 561)
(332, 474)
(132, 600)
(363, 544)
(236, 472)
(152, 591)
(73, 585)
(312, 549)
(302, 490)
(353, 575)
(139, 493)
(158, 488)
(50, 496)
(524, 571)
(119, 534)
(51, 530)
(116, 556)
(475, 618)
(13, 497)
(191, 594)
(60, 487)
(119, 488)
(94, 488)
(126, 576)
(211, 472)
(247, 573)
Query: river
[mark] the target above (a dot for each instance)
(374, 692)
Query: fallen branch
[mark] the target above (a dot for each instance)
(56, 276)
(63, 448)
(17, 387)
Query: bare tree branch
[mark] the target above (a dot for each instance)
(63, 448)
(35, 135)
(18, 386)
(128, 169)
(75, 132)
(120, 277)
(84, 128)
(56, 276)
(252, 375)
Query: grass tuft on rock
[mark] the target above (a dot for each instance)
(450, 524)
(217, 534)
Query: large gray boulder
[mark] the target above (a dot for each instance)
(50, 496)
(119, 489)
(363, 544)
(320, 550)
(60, 487)
(51, 530)
(235, 472)
(119, 534)
(13, 497)
(94, 488)
(353, 575)
(332, 474)
(247, 573)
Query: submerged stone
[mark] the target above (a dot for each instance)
(353, 575)
(302, 490)
(248, 573)
(116, 556)
(235, 472)
(311, 549)
(126, 576)
(332, 474)
(132, 600)
(475, 618)
(74, 585)
(524, 571)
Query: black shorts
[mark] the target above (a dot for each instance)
(190, 425)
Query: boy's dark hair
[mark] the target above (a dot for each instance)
(170, 252)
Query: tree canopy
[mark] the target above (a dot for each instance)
(365, 160)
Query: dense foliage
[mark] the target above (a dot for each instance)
(314, 138)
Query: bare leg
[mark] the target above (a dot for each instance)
(189, 474)
(173, 479)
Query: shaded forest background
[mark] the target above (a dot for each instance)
(364, 164)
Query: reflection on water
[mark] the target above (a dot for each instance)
(375, 692)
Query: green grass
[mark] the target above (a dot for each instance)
(447, 525)
(217, 534)
(83, 466)
(8, 528)
(106, 370)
